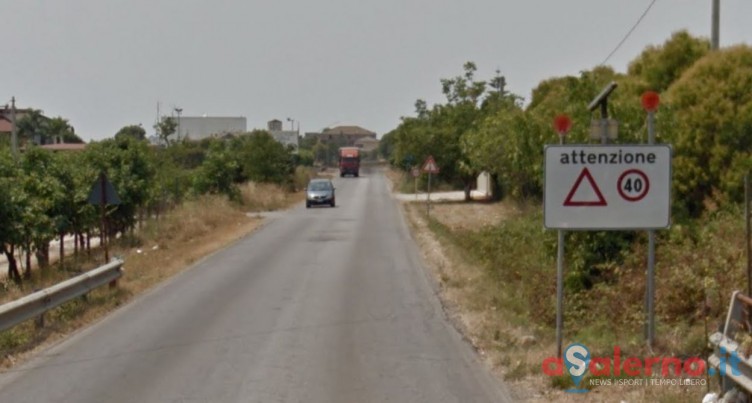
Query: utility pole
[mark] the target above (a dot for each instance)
(13, 130)
(716, 22)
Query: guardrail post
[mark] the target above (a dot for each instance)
(39, 321)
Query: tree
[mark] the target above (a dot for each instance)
(61, 128)
(129, 165)
(386, 146)
(437, 131)
(263, 159)
(218, 172)
(712, 142)
(166, 128)
(660, 66)
(133, 131)
(12, 205)
(32, 126)
(45, 196)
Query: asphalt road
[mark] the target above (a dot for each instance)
(321, 305)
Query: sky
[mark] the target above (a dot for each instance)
(105, 64)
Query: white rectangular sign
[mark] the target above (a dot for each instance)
(592, 187)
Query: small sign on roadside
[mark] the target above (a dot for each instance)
(430, 165)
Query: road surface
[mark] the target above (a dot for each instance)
(321, 305)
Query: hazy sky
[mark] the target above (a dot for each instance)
(104, 64)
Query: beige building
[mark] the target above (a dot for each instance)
(346, 135)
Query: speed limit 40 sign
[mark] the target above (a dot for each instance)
(593, 187)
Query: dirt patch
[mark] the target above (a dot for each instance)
(472, 216)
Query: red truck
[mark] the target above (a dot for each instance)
(349, 161)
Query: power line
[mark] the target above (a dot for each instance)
(639, 20)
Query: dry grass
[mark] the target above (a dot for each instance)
(162, 249)
(475, 302)
(267, 197)
(463, 216)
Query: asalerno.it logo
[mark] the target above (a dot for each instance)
(632, 370)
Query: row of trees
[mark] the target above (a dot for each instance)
(706, 114)
(45, 194)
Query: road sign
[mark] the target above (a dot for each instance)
(102, 192)
(597, 200)
(415, 172)
(430, 166)
(592, 187)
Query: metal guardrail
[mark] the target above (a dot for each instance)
(728, 358)
(39, 302)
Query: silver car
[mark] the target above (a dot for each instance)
(320, 191)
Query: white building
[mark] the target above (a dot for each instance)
(286, 137)
(201, 127)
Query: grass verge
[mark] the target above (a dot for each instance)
(498, 282)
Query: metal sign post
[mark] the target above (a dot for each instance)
(103, 193)
(431, 168)
(428, 197)
(748, 230)
(416, 174)
(562, 124)
(650, 101)
(609, 187)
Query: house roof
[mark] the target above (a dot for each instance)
(20, 113)
(5, 126)
(350, 130)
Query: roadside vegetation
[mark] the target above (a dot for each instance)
(705, 114)
(178, 203)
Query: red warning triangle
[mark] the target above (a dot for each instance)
(430, 165)
(585, 174)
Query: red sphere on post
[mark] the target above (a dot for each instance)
(562, 124)
(650, 101)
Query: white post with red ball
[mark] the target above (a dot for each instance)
(650, 101)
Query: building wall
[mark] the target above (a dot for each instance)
(274, 125)
(201, 127)
(286, 137)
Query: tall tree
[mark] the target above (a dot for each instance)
(134, 131)
(166, 128)
(33, 126)
(712, 103)
(61, 128)
(12, 205)
(659, 66)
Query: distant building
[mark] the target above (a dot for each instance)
(367, 144)
(6, 124)
(286, 137)
(345, 135)
(6, 129)
(202, 127)
(274, 125)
